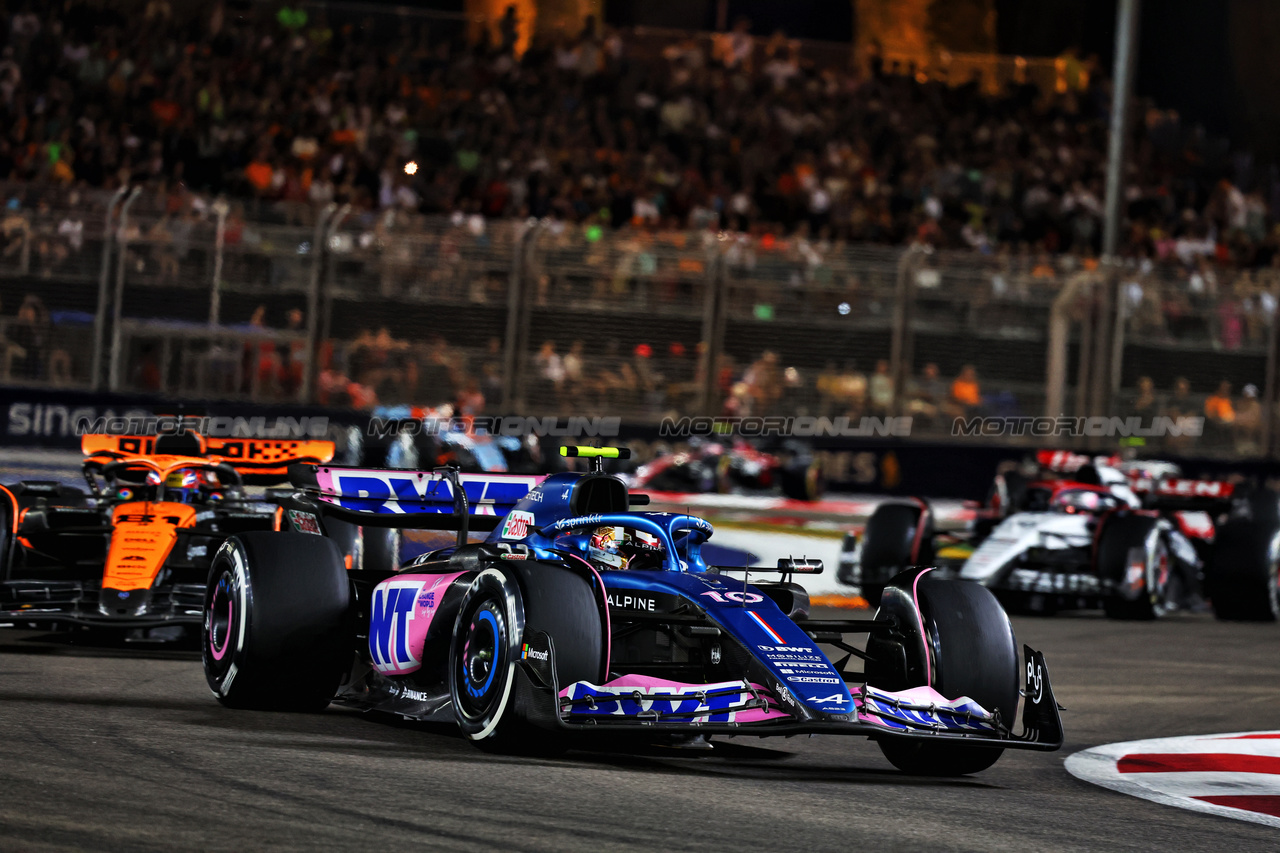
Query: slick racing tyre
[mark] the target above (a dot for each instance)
(897, 536)
(1242, 579)
(8, 512)
(504, 606)
(277, 627)
(1008, 493)
(1136, 569)
(380, 549)
(968, 646)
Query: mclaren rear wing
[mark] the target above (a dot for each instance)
(258, 461)
(443, 499)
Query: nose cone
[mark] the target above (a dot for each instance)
(118, 602)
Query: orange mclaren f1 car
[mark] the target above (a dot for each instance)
(133, 551)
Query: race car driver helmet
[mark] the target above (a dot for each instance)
(191, 485)
(604, 547)
(623, 548)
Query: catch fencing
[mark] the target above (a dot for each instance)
(197, 299)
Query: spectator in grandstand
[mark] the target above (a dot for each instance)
(1248, 423)
(435, 369)
(1181, 405)
(880, 390)
(848, 392)
(15, 229)
(470, 400)
(966, 397)
(572, 364)
(161, 240)
(509, 30)
(491, 372)
(1145, 406)
(927, 395)
(550, 373)
(292, 354)
(32, 332)
(1220, 416)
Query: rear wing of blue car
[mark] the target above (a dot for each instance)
(426, 500)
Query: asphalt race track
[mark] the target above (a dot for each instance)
(125, 749)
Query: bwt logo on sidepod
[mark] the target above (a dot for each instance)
(391, 611)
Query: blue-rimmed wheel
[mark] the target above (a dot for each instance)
(483, 653)
(482, 658)
(495, 703)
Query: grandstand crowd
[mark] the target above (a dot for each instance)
(278, 105)
(783, 157)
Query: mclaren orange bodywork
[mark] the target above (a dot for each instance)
(143, 533)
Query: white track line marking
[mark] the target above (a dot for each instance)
(1239, 768)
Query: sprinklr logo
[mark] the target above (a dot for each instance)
(528, 653)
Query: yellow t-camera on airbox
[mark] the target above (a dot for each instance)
(597, 454)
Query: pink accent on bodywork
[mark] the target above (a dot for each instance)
(650, 684)
(918, 696)
(423, 614)
(915, 544)
(220, 653)
(924, 638)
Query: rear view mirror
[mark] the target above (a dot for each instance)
(800, 566)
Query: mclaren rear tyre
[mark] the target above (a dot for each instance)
(967, 649)
(897, 536)
(380, 549)
(346, 537)
(1137, 569)
(1243, 578)
(8, 512)
(278, 633)
(505, 609)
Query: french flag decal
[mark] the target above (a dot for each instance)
(773, 635)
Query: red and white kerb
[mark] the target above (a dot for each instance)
(1232, 775)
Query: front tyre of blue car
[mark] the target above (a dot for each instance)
(496, 702)
(967, 649)
(482, 657)
(938, 759)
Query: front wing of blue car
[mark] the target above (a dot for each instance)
(744, 707)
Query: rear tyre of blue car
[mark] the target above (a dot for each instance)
(897, 535)
(971, 651)
(493, 702)
(277, 627)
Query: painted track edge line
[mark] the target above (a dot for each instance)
(1097, 766)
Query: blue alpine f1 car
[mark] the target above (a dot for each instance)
(579, 615)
